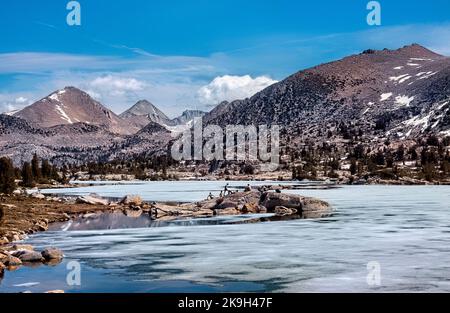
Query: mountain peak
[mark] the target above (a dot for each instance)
(414, 50)
(144, 108)
(70, 106)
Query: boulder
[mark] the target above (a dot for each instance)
(253, 207)
(52, 254)
(2, 269)
(28, 256)
(18, 192)
(301, 204)
(3, 241)
(226, 204)
(131, 200)
(272, 200)
(92, 200)
(238, 199)
(283, 211)
(38, 195)
(41, 225)
(313, 205)
(20, 247)
(4, 256)
(227, 211)
(13, 261)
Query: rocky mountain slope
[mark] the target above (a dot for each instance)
(396, 95)
(69, 106)
(404, 92)
(144, 112)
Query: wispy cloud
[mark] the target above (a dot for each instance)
(173, 82)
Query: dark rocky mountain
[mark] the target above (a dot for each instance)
(152, 140)
(76, 143)
(405, 92)
(144, 112)
(187, 117)
(70, 106)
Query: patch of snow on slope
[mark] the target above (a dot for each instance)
(428, 75)
(397, 78)
(416, 121)
(419, 59)
(54, 97)
(63, 114)
(385, 96)
(403, 100)
(398, 67)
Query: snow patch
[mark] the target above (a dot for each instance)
(419, 59)
(428, 75)
(54, 97)
(400, 78)
(416, 121)
(403, 100)
(385, 96)
(398, 68)
(63, 114)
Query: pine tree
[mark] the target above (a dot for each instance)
(353, 167)
(36, 170)
(46, 169)
(7, 176)
(27, 175)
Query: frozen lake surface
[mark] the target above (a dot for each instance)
(403, 229)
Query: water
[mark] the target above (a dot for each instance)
(405, 229)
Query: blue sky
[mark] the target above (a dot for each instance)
(191, 54)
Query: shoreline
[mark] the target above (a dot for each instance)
(30, 213)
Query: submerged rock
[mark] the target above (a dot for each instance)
(9, 260)
(283, 211)
(13, 261)
(52, 254)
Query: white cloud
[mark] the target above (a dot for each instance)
(231, 88)
(110, 85)
(12, 101)
(21, 100)
(117, 84)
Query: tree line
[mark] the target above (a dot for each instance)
(31, 173)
